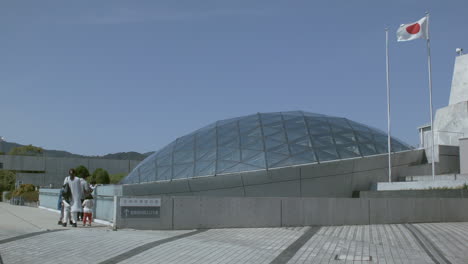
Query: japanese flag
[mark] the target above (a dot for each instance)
(412, 31)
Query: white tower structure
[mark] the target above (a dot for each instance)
(451, 122)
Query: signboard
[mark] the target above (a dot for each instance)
(140, 207)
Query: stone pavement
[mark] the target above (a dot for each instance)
(31, 235)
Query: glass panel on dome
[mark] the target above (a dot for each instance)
(294, 134)
(381, 139)
(232, 155)
(397, 146)
(164, 160)
(344, 138)
(358, 127)
(293, 113)
(282, 163)
(240, 167)
(367, 149)
(206, 154)
(305, 157)
(338, 124)
(319, 129)
(164, 173)
(147, 172)
(184, 143)
(271, 143)
(270, 118)
(206, 139)
(228, 121)
(231, 143)
(381, 148)
(274, 158)
(308, 114)
(228, 130)
(322, 141)
(224, 165)
(364, 137)
(327, 153)
(283, 149)
(305, 141)
(183, 171)
(271, 130)
(279, 137)
(255, 143)
(349, 151)
(183, 157)
(248, 123)
(205, 168)
(247, 153)
(295, 149)
(257, 160)
(256, 132)
(295, 122)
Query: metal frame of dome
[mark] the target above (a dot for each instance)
(262, 141)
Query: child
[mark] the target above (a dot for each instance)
(66, 198)
(88, 210)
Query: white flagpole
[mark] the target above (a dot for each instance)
(388, 110)
(430, 94)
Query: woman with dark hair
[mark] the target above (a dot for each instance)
(76, 191)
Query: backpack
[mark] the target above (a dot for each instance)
(66, 192)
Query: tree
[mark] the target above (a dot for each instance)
(82, 171)
(101, 176)
(28, 150)
(7, 180)
(116, 178)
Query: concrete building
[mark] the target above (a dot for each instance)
(451, 122)
(287, 154)
(50, 171)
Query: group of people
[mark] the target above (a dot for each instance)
(76, 200)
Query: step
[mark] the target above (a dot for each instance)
(443, 177)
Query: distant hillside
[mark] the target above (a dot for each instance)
(8, 146)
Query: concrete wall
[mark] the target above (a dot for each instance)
(464, 155)
(50, 171)
(189, 212)
(49, 198)
(415, 194)
(226, 212)
(329, 179)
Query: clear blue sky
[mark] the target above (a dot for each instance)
(95, 77)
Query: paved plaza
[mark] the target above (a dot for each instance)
(31, 235)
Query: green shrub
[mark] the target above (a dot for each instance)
(24, 188)
(101, 176)
(82, 171)
(7, 180)
(31, 196)
(116, 178)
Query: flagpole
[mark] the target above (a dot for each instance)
(388, 109)
(430, 94)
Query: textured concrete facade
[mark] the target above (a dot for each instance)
(451, 122)
(229, 212)
(464, 155)
(50, 172)
(459, 91)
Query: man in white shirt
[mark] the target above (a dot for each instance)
(77, 192)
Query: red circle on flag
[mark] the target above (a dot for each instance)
(413, 29)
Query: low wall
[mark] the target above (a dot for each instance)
(226, 212)
(103, 197)
(49, 198)
(415, 194)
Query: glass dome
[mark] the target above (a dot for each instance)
(262, 141)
